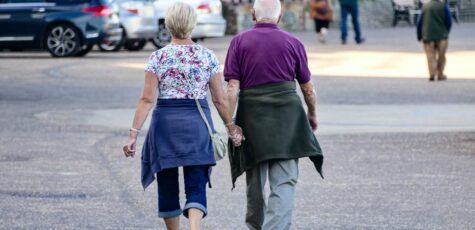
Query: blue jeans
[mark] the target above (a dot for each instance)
(353, 10)
(196, 177)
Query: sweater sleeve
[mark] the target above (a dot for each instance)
(419, 27)
(448, 17)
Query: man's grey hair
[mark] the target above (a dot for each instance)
(180, 20)
(267, 9)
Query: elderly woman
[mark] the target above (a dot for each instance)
(178, 135)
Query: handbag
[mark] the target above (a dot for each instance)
(220, 146)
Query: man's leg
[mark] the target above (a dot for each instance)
(356, 23)
(442, 49)
(343, 25)
(256, 206)
(283, 175)
(429, 48)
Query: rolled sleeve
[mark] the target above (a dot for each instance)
(302, 72)
(231, 65)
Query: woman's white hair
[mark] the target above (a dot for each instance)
(267, 9)
(180, 20)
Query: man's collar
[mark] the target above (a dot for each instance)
(266, 25)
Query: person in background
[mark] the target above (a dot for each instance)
(263, 65)
(322, 13)
(350, 7)
(178, 135)
(433, 28)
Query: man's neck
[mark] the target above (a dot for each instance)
(266, 20)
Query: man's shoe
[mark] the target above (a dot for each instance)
(431, 78)
(343, 42)
(442, 78)
(361, 41)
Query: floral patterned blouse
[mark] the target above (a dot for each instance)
(183, 71)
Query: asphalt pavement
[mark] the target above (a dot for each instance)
(399, 150)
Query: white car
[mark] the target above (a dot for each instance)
(139, 23)
(210, 22)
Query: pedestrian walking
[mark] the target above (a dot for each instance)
(178, 135)
(261, 66)
(433, 28)
(322, 14)
(350, 7)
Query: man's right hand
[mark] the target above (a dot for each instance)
(312, 118)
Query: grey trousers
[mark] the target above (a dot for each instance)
(277, 213)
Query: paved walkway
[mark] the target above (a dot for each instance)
(399, 150)
(334, 119)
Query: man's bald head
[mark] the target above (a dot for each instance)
(268, 10)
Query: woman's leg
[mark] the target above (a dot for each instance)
(194, 217)
(316, 25)
(196, 178)
(319, 27)
(172, 223)
(168, 198)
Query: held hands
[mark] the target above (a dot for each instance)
(235, 134)
(312, 118)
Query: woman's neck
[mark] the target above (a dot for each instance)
(186, 41)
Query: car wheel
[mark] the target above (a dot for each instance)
(62, 41)
(107, 45)
(163, 37)
(85, 49)
(135, 45)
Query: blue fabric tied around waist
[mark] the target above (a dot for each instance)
(177, 137)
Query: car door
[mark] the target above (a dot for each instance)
(22, 22)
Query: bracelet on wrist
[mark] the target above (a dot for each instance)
(134, 130)
(229, 124)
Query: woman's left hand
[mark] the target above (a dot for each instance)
(130, 147)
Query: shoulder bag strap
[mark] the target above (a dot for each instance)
(200, 109)
(210, 131)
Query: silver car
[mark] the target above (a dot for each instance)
(139, 22)
(210, 22)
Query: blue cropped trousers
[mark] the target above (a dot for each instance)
(196, 177)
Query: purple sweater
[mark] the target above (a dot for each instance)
(265, 55)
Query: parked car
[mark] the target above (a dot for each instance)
(210, 22)
(63, 27)
(139, 24)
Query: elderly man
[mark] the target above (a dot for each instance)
(263, 64)
(433, 30)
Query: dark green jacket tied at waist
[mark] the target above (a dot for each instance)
(435, 22)
(276, 127)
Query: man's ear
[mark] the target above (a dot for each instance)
(253, 12)
(280, 17)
